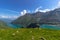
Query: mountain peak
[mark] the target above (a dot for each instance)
(39, 17)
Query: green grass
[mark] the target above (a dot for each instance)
(3, 25)
(29, 34)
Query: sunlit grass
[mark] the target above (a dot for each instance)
(29, 34)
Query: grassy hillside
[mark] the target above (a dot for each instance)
(3, 25)
(29, 34)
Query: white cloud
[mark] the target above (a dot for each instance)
(37, 9)
(14, 17)
(58, 5)
(4, 16)
(23, 12)
(45, 10)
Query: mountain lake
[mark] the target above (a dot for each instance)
(45, 26)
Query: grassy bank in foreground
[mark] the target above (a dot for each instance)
(29, 34)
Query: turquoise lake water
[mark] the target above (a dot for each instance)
(41, 26)
(14, 26)
(50, 26)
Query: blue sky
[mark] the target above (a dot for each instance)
(14, 8)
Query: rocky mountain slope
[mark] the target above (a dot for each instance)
(52, 17)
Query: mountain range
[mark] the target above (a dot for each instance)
(50, 17)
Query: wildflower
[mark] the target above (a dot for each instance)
(30, 31)
(32, 37)
(17, 31)
(13, 34)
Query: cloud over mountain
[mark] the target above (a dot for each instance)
(45, 10)
(23, 12)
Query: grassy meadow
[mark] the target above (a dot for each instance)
(29, 34)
